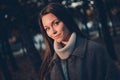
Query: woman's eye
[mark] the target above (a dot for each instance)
(56, 23)
(46, 29)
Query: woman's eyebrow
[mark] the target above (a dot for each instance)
(52, 22)
(55, 20)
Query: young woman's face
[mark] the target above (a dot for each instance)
(55, 28)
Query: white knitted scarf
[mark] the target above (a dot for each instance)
(65, 52)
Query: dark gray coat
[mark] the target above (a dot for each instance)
(89, 61)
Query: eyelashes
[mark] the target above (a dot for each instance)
(55, 23)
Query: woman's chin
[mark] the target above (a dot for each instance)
(58, 41)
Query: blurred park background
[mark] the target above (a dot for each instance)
(22, 46)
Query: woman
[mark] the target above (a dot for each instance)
(69, 55)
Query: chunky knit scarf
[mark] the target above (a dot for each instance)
(65, 52)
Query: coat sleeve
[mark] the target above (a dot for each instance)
(112, 70)
(105, 65)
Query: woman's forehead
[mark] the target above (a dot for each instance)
(48, 18)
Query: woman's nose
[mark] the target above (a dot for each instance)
(54, 31)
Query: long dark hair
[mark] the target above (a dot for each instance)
(62, 13)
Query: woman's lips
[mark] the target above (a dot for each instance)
(57, 36)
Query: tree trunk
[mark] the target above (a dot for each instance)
(32, 52)
(105, 28)
(4, 68)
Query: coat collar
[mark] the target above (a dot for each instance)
(80, 47)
